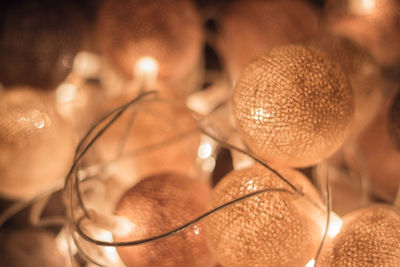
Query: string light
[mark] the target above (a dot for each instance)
(293, 105)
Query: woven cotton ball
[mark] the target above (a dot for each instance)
(293, 105)
(157, 205)
(364, 75)
(38, 43)
(168, 31)
(37, 146)
(249, 27)
(374, 24)
(268, 229)
(151, 138)
(394, 121)
(30, 247)
(368, 237)
(379, 155)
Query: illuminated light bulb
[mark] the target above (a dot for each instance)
(30, 247)
(311, 263)
(36, 144)
(379, 156)
(393, 123)
(249, 28)
(372, 23)
(38, 43)
(157, 205)
(132, 29)
(293, 105)
(363, 73)
(146, 68)
(369, 237)
(268, 229)
(162, 138)
(86, 64)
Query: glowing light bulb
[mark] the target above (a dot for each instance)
(66, 92)
(269, 229)
(369, 237)
(362, 7)
(292, 112)
(311, 263)
(130, 30)
(146, 69)
(205, 150)
(158, 204)
(335, 224)
(86, 64)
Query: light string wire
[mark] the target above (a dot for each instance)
(328, 213)
(76, 224)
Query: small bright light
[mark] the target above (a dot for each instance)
(335, 224)
(146, 67)
(110, 252)
(205, 150)
(311, 263)
(362, 7)
(66, 92)
(86, 64)
(124, 227)
(196, 230)
(62, 243)
(208, 164)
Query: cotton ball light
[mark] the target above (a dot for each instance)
(270, 229)
(38, 43)
(368, 237)
(152, 138)
(379, 155)
(372, 23)
(394, 121)
(157, 205)
(37, 146)
(167, 31)
(30, 247)
(248, 28)
(364, 75)
(293, 105)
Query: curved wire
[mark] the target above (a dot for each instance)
(178, 229)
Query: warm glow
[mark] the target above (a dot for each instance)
(205, 150)
(66, 92)
(362, 7)
(146, 67)
(335, 224)
(86, 64)
(311, 263)
(110, 252)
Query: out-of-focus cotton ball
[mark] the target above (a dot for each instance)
(379, 156)
(167, 31)
(293, 105)
(368, 237)
(363, 73)
(373, 23)
(150, 138)
(269, 229)
(159, 204)
(36, 145)
(29, 247)
(394, 121)
(38, 43)
(248, 28)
